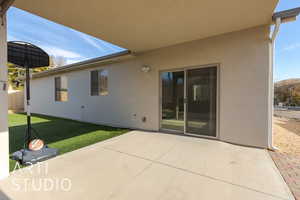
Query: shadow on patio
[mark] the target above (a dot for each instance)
(3, 196)
(66, 135)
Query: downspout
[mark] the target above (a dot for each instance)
(276, 30)
(271, 91)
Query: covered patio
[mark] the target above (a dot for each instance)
(145, 26)
(148, 165)
(155, 165)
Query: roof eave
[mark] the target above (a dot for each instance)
(85, 64)
(286, 15)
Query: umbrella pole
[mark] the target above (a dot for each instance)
(28, 107)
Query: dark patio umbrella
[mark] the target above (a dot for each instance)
(28, 56)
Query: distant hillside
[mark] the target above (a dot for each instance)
(287, 92)
(288, 82)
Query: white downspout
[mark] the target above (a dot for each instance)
(271, 84)
(276, 30)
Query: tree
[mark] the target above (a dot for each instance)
(13, 76)
(15, 73)
(287, 94)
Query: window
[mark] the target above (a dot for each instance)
(99, 82)
(61, 88)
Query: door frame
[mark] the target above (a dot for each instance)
(185, 69)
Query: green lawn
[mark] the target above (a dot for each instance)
(66, 135)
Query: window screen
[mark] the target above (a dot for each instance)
(61, 88)
(103, 79)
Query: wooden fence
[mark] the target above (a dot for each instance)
(16, 100)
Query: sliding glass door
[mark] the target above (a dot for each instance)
(172, 87)
(201, 87)
(189, 101)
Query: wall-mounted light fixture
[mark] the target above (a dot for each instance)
(146, 68)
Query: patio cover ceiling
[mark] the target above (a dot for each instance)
(142, 25)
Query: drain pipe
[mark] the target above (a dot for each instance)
(276, 29)
(271, 90)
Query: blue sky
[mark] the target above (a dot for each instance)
(76, 46)
(55, 39)
(287, 49)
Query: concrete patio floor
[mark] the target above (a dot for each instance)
(145, 165)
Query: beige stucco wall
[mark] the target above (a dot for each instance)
(4, 156)
(243, 94)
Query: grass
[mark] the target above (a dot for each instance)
(66, 135)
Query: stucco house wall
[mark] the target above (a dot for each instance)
(244, 64)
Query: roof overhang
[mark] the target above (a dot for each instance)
(287, 15)
(142, 25)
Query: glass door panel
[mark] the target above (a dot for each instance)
(172, 86)
(201, 86)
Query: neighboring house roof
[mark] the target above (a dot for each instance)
(287, 14)
(86, 64)
(141, 25)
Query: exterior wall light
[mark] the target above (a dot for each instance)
(146, 68)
